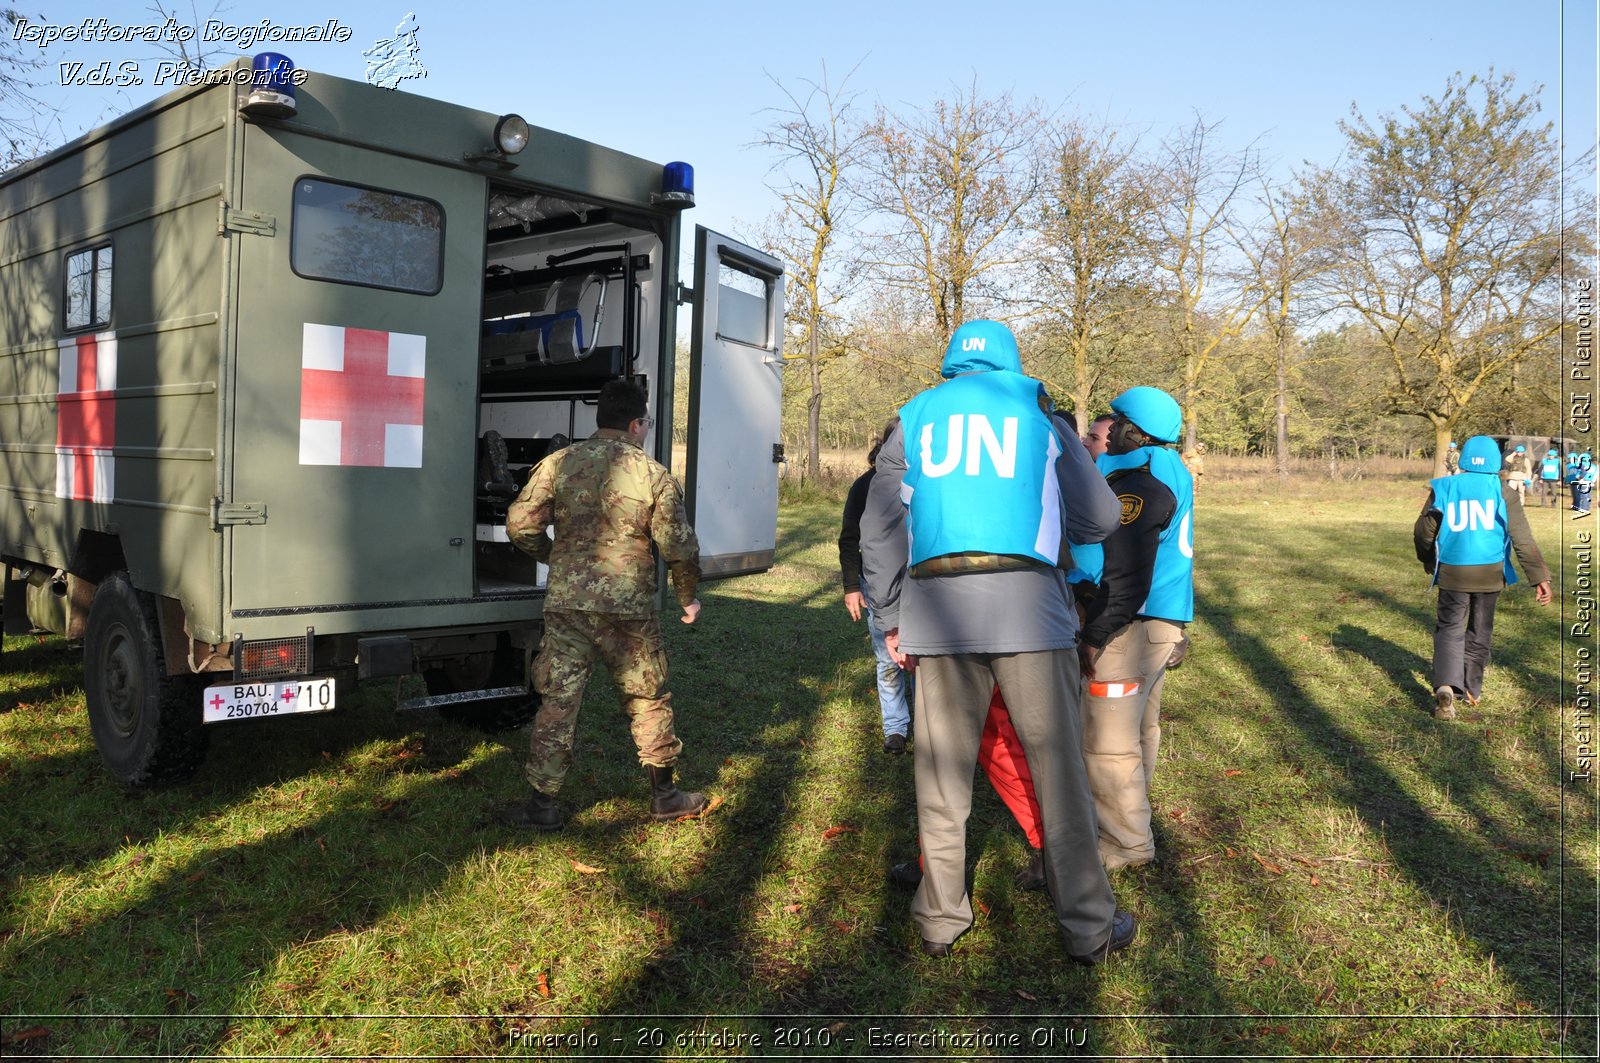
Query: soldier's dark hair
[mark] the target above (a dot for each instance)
(621, 403)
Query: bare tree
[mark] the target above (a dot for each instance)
(1092, 252)
(1456, 235)
(817, 144)
(1287, 253)
(952, 183)
(192, 55)
(28, 126)
(1196, 208)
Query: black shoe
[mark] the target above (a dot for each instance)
(1032, 876)
(1123, 926)
(937, 949)
(907, 875)
(667, 802)
(539, 812)
(895, 743)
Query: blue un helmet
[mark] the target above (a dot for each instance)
(1152, 411)
(1519, 450)
(1480, 454)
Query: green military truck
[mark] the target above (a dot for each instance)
(277, 349)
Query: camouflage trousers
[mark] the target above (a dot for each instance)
(631, 648)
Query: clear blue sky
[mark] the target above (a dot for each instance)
(690, 80)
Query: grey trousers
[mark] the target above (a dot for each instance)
(1461, 639)
(1041, 693)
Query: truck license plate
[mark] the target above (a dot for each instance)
(245, 701)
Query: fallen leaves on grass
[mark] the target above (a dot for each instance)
(1268, 864)
(32, 1033)
(793, 908)
(833, 832)
(541, 982)
(584, 869)
(1025, 995)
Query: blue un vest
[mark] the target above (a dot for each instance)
(1550, 469)
(1473, 527)
(980, 469)
(1172, 584)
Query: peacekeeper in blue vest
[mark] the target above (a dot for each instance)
(1465, 537)
(967, 521)
(1549, 478)
(1140, 594)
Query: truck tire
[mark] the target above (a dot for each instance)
(146, 724)
(482, 671)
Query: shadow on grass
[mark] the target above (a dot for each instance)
(1455, 866)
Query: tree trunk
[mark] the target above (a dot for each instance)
(1283, 408)
(814, 411)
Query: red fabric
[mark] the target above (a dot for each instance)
(1001, 757)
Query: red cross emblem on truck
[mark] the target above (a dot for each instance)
(361, 396)
(86, 417)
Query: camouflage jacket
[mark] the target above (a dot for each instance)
(609, 501)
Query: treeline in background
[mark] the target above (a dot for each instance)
(1418, 288)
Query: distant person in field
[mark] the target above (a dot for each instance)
(1518, 474)
(1452, 459)
(1570, 477)
(1469, 527)
(1550, 478)
(895, 691)
(1583, 485)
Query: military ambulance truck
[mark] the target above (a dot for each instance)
(277, 350)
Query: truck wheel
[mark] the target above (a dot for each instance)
(146, 724)
(482, 671)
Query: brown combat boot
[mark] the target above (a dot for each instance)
(667, 802)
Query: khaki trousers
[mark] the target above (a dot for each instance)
(1122, 735)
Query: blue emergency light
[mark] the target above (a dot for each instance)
(271, 87)
(677, 186)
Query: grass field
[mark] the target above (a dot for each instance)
(1341, 875)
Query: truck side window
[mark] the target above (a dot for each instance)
(88, 292)
(364, 236)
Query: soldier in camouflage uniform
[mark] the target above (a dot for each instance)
(608, 501)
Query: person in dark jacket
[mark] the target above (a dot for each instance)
(1468, 529)
(894, 685)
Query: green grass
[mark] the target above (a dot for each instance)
(1341, 875)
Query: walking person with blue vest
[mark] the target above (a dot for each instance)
(1143, 596)
(1583, 485)
(969, 593)
(1550, 478)
(1469, 527)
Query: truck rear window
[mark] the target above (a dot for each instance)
(364, 236)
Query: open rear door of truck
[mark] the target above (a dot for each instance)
(735, 405)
